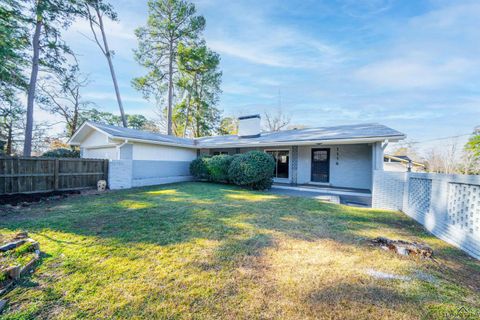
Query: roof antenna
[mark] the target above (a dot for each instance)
(279, 98)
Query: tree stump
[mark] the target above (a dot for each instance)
(404, 248)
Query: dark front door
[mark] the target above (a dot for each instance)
(320, 165)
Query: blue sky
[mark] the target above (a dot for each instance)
(410, 64)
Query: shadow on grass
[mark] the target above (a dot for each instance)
(182, 212)
(242, 221)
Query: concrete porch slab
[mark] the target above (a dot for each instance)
(352, 197)
(324, 189)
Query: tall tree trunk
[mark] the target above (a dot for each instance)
(9, 139)
(187, 115)
(197, 120)
(27, 146)
(198, 101)
(108, 55)
(74, 123)
(170, 89)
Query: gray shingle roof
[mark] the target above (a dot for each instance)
(346, 132)
(121, 132)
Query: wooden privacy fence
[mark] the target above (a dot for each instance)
(32, 175)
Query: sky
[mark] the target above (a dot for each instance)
(413, 65)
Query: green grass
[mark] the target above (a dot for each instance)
(206, 251)
(19, 256)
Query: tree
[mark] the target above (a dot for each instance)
(95, 115)
(11, 123)
(445, 159)
(276, 121)
(473, 144)
(140, 122)
(95, 10)
(471, 156)
(228, 125)
(48, 17)
(200, 80)
(170, 23)
(13, 42)
(407, 148)
(135, 121)
(61, 95)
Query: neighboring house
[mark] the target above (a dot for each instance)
(340, 156)
(402, 164)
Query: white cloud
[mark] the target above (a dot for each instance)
(254, 36)
(407, 72)
(120, 36)
(292, 50)
(366, 8)
(438, 49)
(111, 97)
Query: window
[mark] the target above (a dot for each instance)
(282, 161)
(217, 153)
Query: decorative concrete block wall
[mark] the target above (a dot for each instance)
(447, 205)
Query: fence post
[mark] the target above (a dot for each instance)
(105, 170)
(56, 175)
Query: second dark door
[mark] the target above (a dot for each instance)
(320, 165)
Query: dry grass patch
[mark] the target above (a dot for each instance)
(207, 251)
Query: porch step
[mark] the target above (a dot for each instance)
(322, 190)
(331, 199)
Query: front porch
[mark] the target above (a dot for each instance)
(346, 196)
(328, 168)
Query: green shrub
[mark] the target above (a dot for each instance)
(199, 168)
(218, 168)
(253, 169)
(62, 153)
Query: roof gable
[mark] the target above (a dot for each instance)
(115, 132)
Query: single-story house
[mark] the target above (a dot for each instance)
(339, 156)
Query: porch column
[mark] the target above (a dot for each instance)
(377, 156)
(294, 164)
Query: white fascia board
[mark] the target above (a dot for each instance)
(156, 142)
(110, 145)
(300, 143)
(71, 140)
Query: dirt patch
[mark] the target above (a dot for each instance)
(24, 199)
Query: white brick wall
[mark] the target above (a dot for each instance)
(388, 188)
(124, 174)
(120, 174)
(447, 205)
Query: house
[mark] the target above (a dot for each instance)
(339, 156)
(401, 164)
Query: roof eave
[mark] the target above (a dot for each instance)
(302, 143)
(155, 142)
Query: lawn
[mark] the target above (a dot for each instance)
(207, 251)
